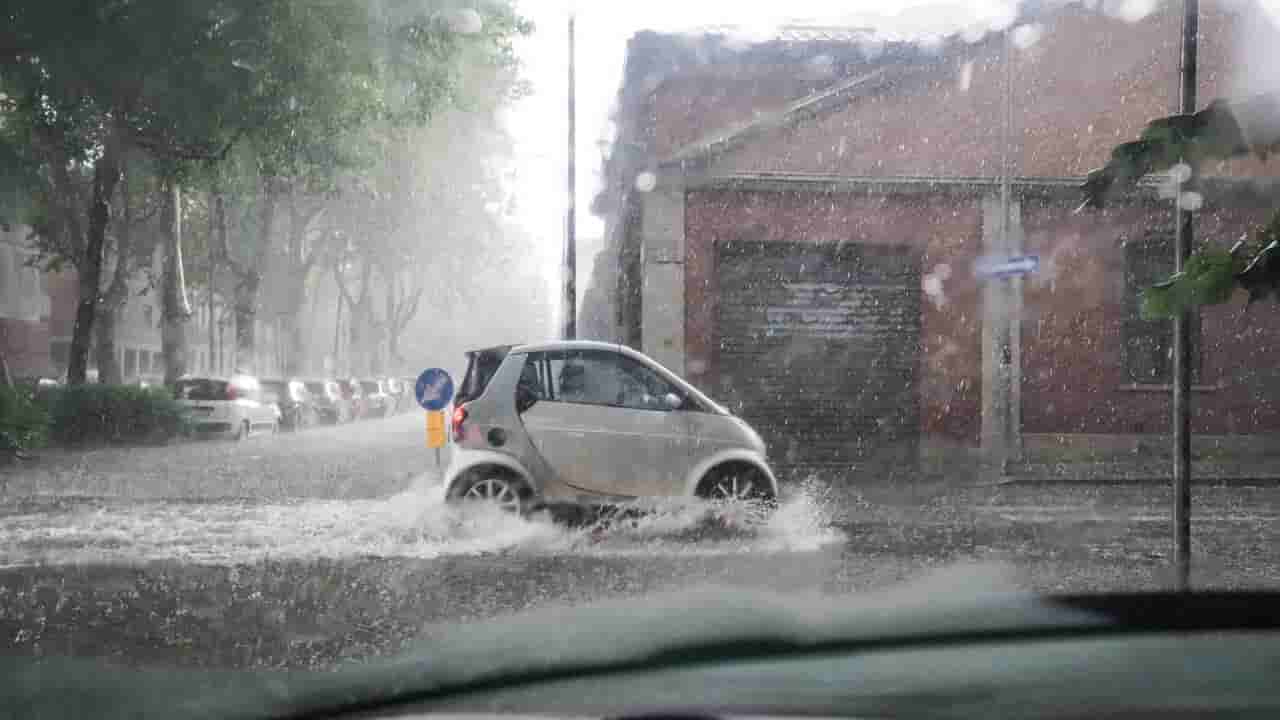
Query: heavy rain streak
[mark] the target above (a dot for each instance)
(816, 298)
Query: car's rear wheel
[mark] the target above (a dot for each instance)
(736, 482)
(500, 489)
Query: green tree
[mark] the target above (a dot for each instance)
(86, 83)
(186, 81)
(1222, 130)
(395, 65)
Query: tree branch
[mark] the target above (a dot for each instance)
(412, 311)
(342, 285)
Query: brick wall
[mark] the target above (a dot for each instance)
(1074, 380)
(26, 347)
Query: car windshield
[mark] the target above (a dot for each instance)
(328, 327)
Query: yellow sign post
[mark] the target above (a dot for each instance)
(436, 437)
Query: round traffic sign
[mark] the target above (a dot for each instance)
(434, 389)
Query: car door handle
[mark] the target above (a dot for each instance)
(575, 434)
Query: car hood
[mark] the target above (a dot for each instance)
(708, 625)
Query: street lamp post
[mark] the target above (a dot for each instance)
(570, 300)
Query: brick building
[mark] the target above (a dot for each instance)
(24, 307)
(797, 226)
(37, 316)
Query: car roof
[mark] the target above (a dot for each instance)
(569, 345)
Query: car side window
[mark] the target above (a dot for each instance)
(600, 377)
(533, 377)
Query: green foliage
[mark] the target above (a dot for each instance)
(24, 422)
(1211, 276)
(1261, 277)
(1208, 278)
(188, 81)
(1213, 133)
(92, 414)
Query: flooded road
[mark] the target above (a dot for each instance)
(306, 550)
(415, 524)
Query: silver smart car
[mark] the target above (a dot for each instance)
(594, 423)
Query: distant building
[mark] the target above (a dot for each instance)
(37, 317)
(797, 226)
(24, 307)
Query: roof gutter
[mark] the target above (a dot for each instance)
(717, 142)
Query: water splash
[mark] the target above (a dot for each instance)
(415, 524)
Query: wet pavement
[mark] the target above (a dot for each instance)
(334, 544)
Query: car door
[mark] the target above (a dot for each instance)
(601, 423)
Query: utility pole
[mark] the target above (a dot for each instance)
(1009, 285)
(1183, 241)
(570, 300)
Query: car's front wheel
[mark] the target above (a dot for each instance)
(500, 489)
(736, 482)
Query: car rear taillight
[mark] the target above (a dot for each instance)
(231, 392)
(459, 417)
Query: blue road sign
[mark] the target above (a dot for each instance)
(434, 389)
(1006, 268)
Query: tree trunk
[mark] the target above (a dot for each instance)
(246, 312)
(297, 346)
(392, 300)
(402, 306)
(174, 310)
(117, 294)
(393, 352)
(337, 337)
(363, 343)
(248, 281)
(355, 339)
(105, 176)
(6, 380)
(109, 371)
(217, 225)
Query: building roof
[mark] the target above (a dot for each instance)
(807, 106)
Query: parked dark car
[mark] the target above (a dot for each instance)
(297, 408)
(354, 396)
(331, 405)
(377, 403)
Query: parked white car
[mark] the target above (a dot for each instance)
(232, 406)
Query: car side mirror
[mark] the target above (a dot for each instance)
(672, 401)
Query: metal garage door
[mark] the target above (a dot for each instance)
(818, 350)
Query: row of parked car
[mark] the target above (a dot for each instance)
(243, 405)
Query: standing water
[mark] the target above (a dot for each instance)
(415, 524)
